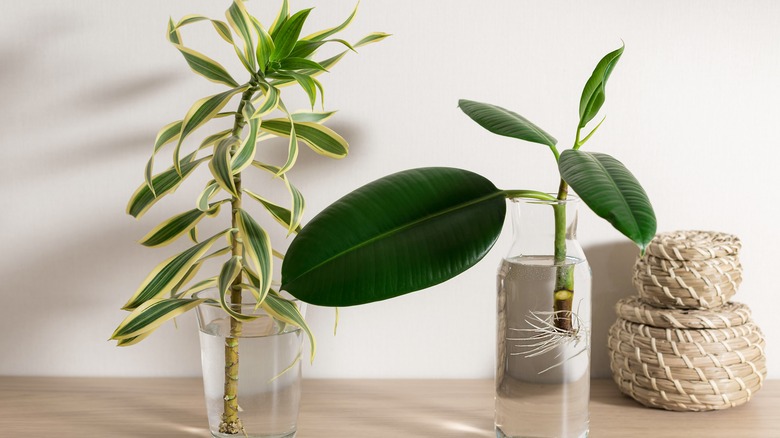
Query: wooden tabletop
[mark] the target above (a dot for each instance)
(118, 408)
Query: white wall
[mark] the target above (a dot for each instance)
(692, 110)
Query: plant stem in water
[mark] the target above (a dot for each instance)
(564, 274)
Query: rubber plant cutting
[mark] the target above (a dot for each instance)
(420, 227)
(274, 57)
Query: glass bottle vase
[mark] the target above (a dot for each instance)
(543, 325)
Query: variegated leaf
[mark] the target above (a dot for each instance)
(150, 315)
(207, 67)
(220, 26)
(168, 273)
(308, 85)
(191, 273)
(241, 23)
(259, 296)
(205, 196)
(132, 341)
(209, 283)
(281, 17)
(287, 311)
(281, 214)
(287, 36)
(230, 271)
(265, 45)
(164, 183)
(220, 165)
(269, 103)
(374, 37)
(257, 245)
(246, 151)
(194, 234)
(167, 134)
(321, 139)
(313, 117)
(298, 205)
(171, 229)
(215, 138)
(321, 35)
(173, 34)
(201, 112)
(291, 63)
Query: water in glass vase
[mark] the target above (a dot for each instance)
(268, 387)
(542, 372)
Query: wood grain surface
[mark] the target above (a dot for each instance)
(118, 408)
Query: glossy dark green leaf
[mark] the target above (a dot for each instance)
(593, 95)
(399, 234)
(611, 191)
(501, 121)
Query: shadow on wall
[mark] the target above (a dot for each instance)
(612, 265)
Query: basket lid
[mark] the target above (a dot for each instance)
(693, 245)
(729, 315)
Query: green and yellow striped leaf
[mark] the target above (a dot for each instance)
(214, 138)
(270, 103)
(241, 23)
(281, 17)
(287, 311)
(257, 245)
(374, 37)
(321, 139)
(292, 63)
(281, 214)
(169, 273)
(259, 297)
(292, 150)
(265, 45)
(194, 234)
(171, 229)
(191, 273)
(205, 196)
(220, 26)
(209, 283)
(307, 84)
(321, 35)
(201, 112)
(227, 275)
(270, 168)
(166, 182)
(288, 34)
(151, 315)
(173, 34)
(132, 341)
(207, 67)
(246, 151)
(220, 165)
(313, 117)
(298, 205)
(167, 134)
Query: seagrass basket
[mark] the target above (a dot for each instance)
(689, 270)
(685, 360)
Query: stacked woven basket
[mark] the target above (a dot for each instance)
(681, 344)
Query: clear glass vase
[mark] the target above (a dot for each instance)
(543, 325)
(268, 370)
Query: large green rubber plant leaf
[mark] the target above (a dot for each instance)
(501, 121)
(611, 191)
(396, 235)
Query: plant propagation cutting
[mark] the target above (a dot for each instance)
(420, 227)
(274, 57)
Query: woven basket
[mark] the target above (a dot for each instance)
(693, 245)
(689, 270)
(682, 368)
(685, 288)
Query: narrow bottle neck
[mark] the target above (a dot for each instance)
(535, 224)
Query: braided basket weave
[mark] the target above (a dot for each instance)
(681, 344)
(689, 270)
(687, 369)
